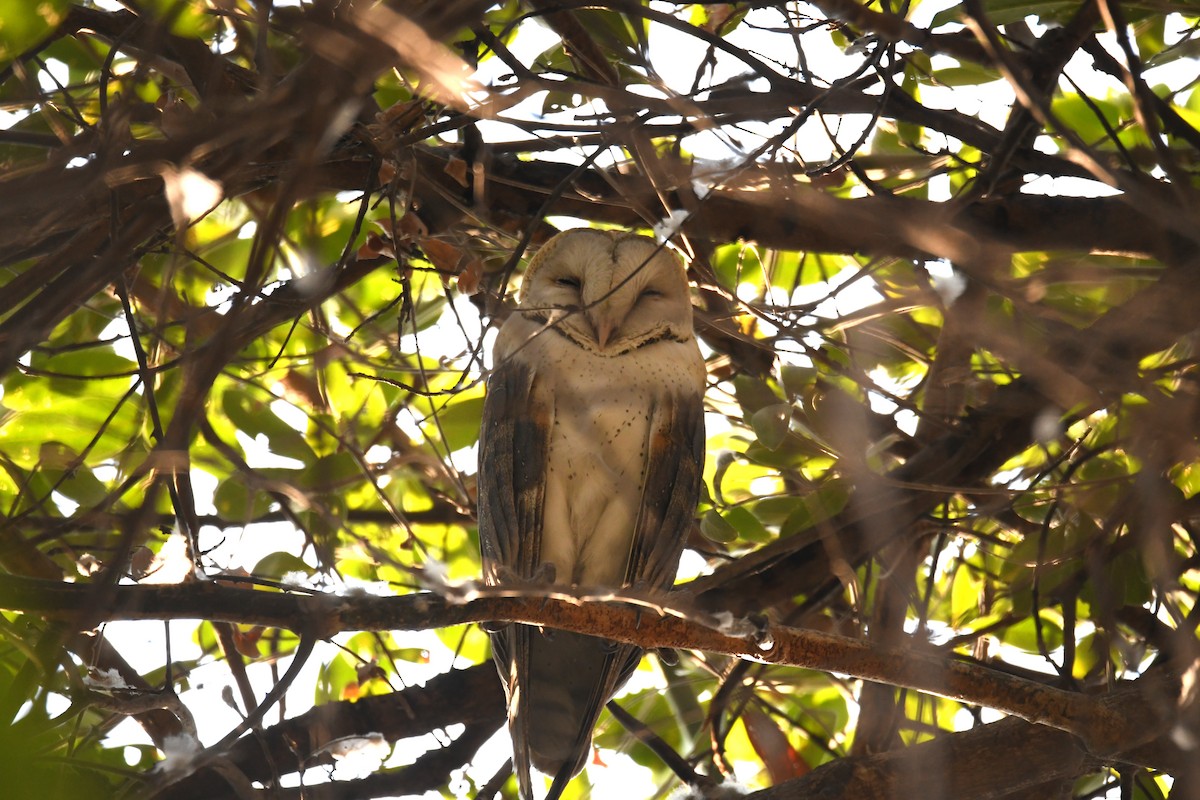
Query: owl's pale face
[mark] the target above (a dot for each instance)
(608, 291)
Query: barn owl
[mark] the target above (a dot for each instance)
(589, 469)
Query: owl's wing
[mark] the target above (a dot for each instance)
(512, 483)
(512, 472)
(670, 490)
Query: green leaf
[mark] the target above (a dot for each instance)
(818, 506)
(237, 502)
(457, 424)
(556, 102)
(736, 264)
(748, 526)
(334, 677)
(721, 19)
(24, 23)
(98, 365)
(65, 470)
(1187, 478)
(71, 421)
(966, 74)
(1003, 12)
(1087, 656)
(277, 565)
(717, 529)
(797, 381)
(1023, 635)
(754, 394)
(1088, 119)
(254, 417)
(1150, 37)
(189, 18)
(613, 30)
(774, 510)
(783, 269)
(1123, 582)
(966, 595)
(327, 473)
(770, 424)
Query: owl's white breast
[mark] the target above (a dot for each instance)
(602, 411)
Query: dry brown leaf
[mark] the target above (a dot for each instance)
(246, 641)
(387, 171)
(443, 255)
(778, 756)
(471, 276)
(374, 247)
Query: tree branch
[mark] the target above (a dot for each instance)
(642, 621)
(471, 697)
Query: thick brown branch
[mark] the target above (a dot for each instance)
(795, 216)
(646, 623)
(471, 697)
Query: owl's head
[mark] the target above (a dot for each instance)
(608, 291)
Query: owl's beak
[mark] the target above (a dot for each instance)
(604, 325)
(604, 332)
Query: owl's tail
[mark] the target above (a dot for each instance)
(558, 683)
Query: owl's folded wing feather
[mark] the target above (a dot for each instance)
(670, 489)
(512, 465)
(512, 479)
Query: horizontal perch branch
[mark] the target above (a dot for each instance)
(1101, 721)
